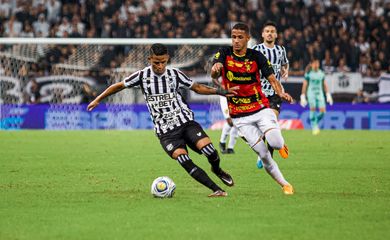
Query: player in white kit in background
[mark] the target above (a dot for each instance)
(228, 129)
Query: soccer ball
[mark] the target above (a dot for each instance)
(163, 187)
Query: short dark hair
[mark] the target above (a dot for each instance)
(241, 26)
(315, 58)
(158, 49)
(269, 23)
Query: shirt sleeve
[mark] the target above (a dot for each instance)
(220, 56)
(183, 80)
(256, 47)
(306, 76)
(264, 65)
(284, 57)
(132, 80)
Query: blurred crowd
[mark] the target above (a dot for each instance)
(349, 35)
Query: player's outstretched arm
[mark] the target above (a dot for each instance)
(206, 90)
(278, 88)
(114, 88)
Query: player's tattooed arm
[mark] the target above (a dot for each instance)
(207, 90)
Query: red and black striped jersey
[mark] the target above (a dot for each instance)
(244, 71)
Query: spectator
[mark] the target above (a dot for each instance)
(360, 97)
(41, 26)
(5, 8)
(27, 31)
(64, 28)
(341, 67)
(12, 27)
(309, 29)
(53, 10)
(33, 95)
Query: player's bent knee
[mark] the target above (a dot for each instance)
(178, 152)
(275, 139)
(203, 142)
(261, 149)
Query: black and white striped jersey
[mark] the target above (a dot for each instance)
(278, 57)
(167, 107)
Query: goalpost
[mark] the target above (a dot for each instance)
(67, 71)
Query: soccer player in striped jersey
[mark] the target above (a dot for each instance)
(249, 108)
(173, 120)
(278, 58)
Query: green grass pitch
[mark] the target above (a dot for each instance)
(96, 185)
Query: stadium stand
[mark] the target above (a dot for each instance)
(351, 36)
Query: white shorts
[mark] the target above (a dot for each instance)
(254, 126)
(224, 106)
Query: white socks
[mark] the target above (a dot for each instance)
(269, 164)
(226, 131)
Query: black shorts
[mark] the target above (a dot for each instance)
(275, 102)
(186, 135)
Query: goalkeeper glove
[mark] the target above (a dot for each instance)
(303, 100)
(329, 98)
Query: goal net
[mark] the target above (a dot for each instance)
(62, 75)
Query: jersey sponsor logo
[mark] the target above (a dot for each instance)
(161, 100)
(245, 100)
(246, 107)
(170, 124)
(231, 77)
(171, 115)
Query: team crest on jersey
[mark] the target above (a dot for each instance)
(171, 82)
(248, 66)
(170, 147)
(217, 55)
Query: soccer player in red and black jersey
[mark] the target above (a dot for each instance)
(250, 109)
